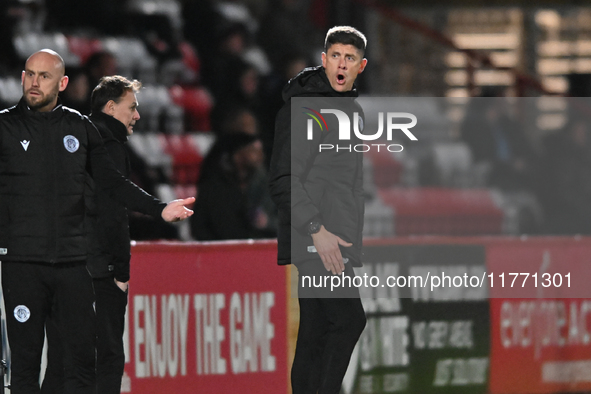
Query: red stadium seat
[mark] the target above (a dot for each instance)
(186, 159)
(184, 191)
(84, 47)
(439, 211)
(190, 57)
(387, 171)
(197, 103)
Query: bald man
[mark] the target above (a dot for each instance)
(46, 152)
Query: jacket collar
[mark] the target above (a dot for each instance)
(313, 81)
(117, 128)
(22, 105)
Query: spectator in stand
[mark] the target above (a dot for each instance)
(77, 94)
(233, 200)
(202, 29)
(565, 191)
(244, 90)
(237, 119)
(240, 98)
(158, 33)
(8, 22)
(498, 143)
(287, 21)
(219, 71)
(271, 90)
(105, 16)
(98, 65)
(235, 11)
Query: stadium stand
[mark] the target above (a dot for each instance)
(433, 187)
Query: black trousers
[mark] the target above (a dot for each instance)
(111, 303)
(329, 329)
(33, 291)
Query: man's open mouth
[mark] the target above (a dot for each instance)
(340, 79)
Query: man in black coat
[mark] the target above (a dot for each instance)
(234, 201)
(114, 113)
(46, 154)
(319, 195)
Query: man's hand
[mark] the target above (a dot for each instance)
(327, 246)
(176, 210)
(261, 219)
(122, 285)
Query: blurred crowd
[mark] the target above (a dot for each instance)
(226, 62)
(556, 171)
(235, 55)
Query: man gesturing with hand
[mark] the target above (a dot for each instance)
(114, 113)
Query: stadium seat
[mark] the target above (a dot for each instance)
(378, 219)
(167, 192)
(26, 44)
(442, 211)
(158, 112)
(387, 169)
(186, 160)
(10, 90)
(453, 160)
(197, 103)
(203, 142)
(170, 8)
(84, 47)
(184, 191)
(190, 57)
(133, 59)
(150, 147)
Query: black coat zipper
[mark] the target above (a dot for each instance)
(53, 236)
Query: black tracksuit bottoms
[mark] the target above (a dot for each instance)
(111, 303)
(32, 291)
(329, 329)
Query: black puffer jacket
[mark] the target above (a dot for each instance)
(307, 184)
(44, 161)
(107, 223)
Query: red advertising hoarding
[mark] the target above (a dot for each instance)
(206, 318)
(214, 317)
(540, 332)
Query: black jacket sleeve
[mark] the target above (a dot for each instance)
(105, 174)
(114, 224)
(290, 162)
(220, 212)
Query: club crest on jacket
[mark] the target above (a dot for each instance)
(71, 143)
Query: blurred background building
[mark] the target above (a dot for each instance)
(502, 150)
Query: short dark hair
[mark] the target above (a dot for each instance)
(345, 35)
(113, 88)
